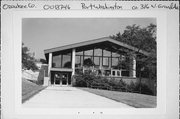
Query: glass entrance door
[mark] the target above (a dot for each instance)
(60, 78)
(64, 79)
(57, 79)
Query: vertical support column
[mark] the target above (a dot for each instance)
(49, 64)
(73, 56)
(80, 61)
(102, 57)
(93, 59)
(93, 56)
(73, 60)
(61, 60)
(120, 71)
(102, 70)
(110, 64)
(49, 67)
(83, 62)
(134, 66)
(67, 79)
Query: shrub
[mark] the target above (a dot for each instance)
(140, 88)
(117, 85)
(131, 87)
(89, 79)
(145, 89)
(80, 82)
(100, 82)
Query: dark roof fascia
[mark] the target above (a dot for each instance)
(71, 46)
(129, 47)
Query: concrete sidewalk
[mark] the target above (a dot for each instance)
(70, 97)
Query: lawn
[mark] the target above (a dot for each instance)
(29, 89)
(132, 99)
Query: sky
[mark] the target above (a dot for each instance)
(39, 34)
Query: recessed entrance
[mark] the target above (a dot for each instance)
(64, 79)
(60, 78)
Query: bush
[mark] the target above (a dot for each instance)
(140, 88)
(145, 89)
(131, 87)
(80, 82)
(101, 82)
(89, 79)
(117, 85)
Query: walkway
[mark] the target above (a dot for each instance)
(70, 97)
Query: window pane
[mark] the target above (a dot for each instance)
(56, 61)
(105, 61)
(100, 59)
(78, 63)
(118, 73)
(114, 61)
(82, 60)
(89, 52)
(107, 72)
(87, 57)
(96, 60)
(113, 73)
(66, 61)
(79, 53)
(106, 53)
(115, 54)
(109, 61)
(88, 61)
(97, 52)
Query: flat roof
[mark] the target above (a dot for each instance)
(95, 43)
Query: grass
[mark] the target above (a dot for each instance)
(29, 89)
(132, 99)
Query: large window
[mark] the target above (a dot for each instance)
(61, 61)
(56, 61)
(101, 57)
(66, 61)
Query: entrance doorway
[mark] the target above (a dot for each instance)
(60, 78)
(64, 79)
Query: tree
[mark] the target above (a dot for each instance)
(28, 61)
(88, 62)
(144, 39)
(141, 38)
(67, 64)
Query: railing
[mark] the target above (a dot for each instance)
(117, 72)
